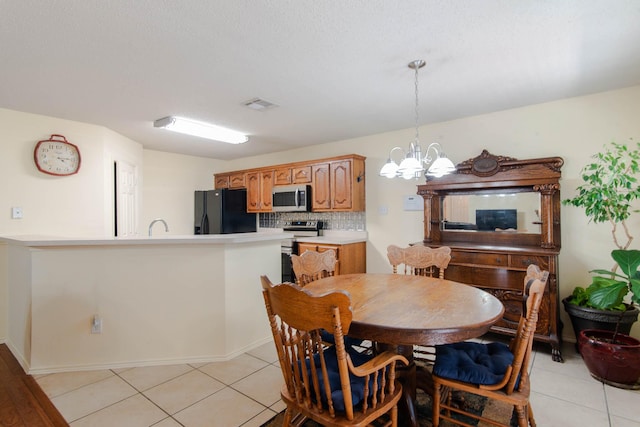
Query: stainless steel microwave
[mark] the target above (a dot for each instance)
(291, 198)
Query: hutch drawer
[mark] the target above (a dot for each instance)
(459, 257)
(523, 261)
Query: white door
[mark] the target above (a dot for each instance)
(126, 199)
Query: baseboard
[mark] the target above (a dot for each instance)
(143, 363)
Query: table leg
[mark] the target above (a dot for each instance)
(407, 415)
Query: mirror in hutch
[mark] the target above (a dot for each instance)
(500, 214)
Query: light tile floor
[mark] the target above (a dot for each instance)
(245, 392)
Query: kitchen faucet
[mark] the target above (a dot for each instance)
(166, 227)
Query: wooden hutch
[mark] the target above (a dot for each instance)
(499, 214)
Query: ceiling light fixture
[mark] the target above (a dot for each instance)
(413, 164)
(201, 129)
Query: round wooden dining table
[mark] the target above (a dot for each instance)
(400, 311)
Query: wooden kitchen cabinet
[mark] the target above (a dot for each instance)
(283, 176)
(259, 186)
(338, 185)
(230, 180)
(321, 187)
(301, 175)
(237, 180)
(352, 257)
(495, 259)
(221, 181)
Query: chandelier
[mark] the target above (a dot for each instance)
(434, 163)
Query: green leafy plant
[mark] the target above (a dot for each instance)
(610, 186)
(608, 289)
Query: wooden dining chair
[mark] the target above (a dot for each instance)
(423, 261)
(495, 370)
(420, 260)
(312, 265)
(334, 385)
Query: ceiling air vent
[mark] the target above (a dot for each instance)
(259, 104)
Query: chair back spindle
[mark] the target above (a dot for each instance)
(313, 265)
(420, 260)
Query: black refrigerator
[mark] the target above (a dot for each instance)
(222, 212)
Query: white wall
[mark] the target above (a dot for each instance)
(572, 128)
(169, 183)
(162, 303)
(76, 205)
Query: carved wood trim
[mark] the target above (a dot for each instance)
(487, 164)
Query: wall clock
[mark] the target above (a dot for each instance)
(57, 156)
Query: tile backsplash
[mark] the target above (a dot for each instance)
(352, 221)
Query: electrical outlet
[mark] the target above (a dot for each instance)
(96, 325)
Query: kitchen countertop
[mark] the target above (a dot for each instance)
(207, 239)
(336, 237)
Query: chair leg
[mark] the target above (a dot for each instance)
(286, 422)
(436, 405)
(532, 420)
(394, 416)
(522, 416)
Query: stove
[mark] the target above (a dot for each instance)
(289, 247)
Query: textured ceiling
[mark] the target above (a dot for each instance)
(336, 69)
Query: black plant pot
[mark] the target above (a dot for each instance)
(590, 318)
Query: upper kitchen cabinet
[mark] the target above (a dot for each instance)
(259, 186)
(282, 176)
(338, 185)
(237, 180)
(221, 180)
(301, 175)
(230, 180)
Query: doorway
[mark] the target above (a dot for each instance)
(125, 199)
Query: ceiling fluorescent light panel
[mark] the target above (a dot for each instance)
(201, 129)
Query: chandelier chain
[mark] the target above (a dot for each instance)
(416, 116)
(413, 163)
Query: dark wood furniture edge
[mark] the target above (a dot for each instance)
(23, 398)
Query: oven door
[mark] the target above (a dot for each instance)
(287, 268)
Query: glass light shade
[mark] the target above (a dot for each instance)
(441, 166)
(390, 169)
(410, 164)
(201, 129)
(409, 175)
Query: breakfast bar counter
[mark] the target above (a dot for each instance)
(160, 300)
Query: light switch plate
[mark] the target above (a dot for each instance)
(16, 213)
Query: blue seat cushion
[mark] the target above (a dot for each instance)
(472, 362)
(348, 341)
(357, 383)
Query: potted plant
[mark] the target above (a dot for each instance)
(609, 188)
